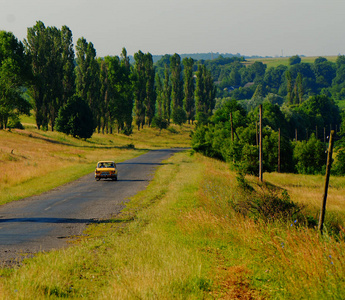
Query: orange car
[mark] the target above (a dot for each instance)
(106, 169)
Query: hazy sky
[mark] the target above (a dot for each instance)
(248, 27)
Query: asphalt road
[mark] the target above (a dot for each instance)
(45, 222)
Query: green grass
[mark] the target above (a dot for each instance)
(276, 61)
(181, 239)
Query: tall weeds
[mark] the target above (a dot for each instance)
(288, 257)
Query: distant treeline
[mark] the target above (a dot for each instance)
(70, 87)
(77, 92)
(195, 56)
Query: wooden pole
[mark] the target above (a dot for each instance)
(316, 132)
(324, 134)
(279, 136)
(328, 172)
(260, 146)
(232, 128)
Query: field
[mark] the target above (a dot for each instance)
(276, 61)
(181, 238)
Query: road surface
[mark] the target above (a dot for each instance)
(45, 222)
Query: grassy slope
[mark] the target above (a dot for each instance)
(33, 161)
(179, 239)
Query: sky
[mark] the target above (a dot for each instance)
(248, 27)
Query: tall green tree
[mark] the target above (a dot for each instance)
(139, 89)
(144, 89)
(176, 87)
(13, 75)
(189, 102)
(150, 99)
(68, 66)
(38, 50)
(88, 85)
(52, 62)
(204, 94)
(103, 120)
(127, 91)
(166, 95)
(159, 93)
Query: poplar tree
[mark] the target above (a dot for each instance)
(189, 103)
(160, 97)
(150, 98)
(37, 49)
(127, 91)
(200, 97)
(166, 95)
(87, 77)
(47, 49)
(144, 91)
(103, 120)
(68, 66)
(204, 94)
(13, 74)
(178, 113)
(139, 89)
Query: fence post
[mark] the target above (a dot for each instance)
(328, 171)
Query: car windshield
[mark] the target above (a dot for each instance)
(107, 164)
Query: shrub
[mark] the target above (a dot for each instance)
(310, 156)
(339, 163)
(75, 118)
(159, 122)
(14, 122)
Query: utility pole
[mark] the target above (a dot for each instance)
(260, 146)
(279, 150)
(232, 128)
(328, 173)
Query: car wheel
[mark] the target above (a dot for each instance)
(115, 178)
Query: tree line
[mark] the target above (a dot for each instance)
(76, 92)
(300, 152)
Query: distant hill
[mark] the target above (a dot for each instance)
(202, 56)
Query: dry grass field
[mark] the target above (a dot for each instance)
(33, 161)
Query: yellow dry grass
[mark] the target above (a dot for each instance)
(33, 161)
(309, 189)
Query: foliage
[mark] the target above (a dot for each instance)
(310, 156)
(189, 102)
(88, 84)
(51, 56)
(74, 118)
(159, 122)
(204, 95)
(144, 90)
(13, 75)
(338, 166)
(176, 89)
(293, 60)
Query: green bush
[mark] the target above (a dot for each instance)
(75, 118)
(338, 167)
(310, 156)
